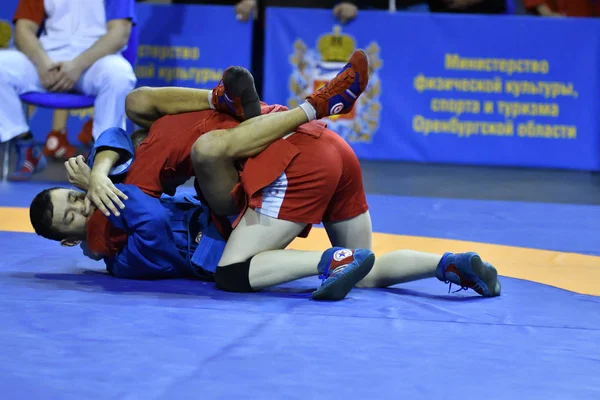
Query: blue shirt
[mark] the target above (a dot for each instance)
(120, 9)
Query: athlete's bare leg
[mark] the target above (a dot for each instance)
(59, 120)
(390, 269)
(401, 266)
(353, 233)
(214, 152)
(270, 265)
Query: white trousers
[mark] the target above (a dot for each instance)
(109, 79)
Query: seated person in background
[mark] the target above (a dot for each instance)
(558, 8)
(78, 49)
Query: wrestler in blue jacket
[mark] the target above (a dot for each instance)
(170, 237)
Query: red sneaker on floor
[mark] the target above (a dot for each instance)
(85, 135)
(58, 146)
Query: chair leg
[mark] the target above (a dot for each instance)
(6, 161)
(26, 109)
(7, 148)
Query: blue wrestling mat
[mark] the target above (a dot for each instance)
(69, 331)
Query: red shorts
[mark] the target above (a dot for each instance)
(322, 183)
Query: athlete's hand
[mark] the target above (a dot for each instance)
(546, 11)
(246, 9)
(104, 195)
(69, 73)
(345, 12)
(78, 172)
(48, 75)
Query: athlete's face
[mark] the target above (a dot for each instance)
(69, 214)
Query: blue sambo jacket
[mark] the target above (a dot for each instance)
(169, 237)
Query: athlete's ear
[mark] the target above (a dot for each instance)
(69, 243)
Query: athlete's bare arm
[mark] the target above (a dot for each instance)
(213, 153)
(249, 138)
(145, 104)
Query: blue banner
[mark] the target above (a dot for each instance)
(7, 11)
(190, 45)
(461, 89)
(179, 45)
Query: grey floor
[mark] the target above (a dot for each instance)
(491, 183)
(451, 181)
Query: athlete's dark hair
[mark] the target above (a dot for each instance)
(138, 137)
(41, 212)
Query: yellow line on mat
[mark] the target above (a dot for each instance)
(576, 272)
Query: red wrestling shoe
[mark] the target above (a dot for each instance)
(340, 94)
(85, 135)
(58, 146)
(236, 94)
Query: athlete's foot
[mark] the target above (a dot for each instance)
(340, 94)
(340, 270)
(469, 272)
(236, 94)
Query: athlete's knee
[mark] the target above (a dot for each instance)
(11, 65)
(234, 277)
(210, 147)
(116, 72)
(137, 102)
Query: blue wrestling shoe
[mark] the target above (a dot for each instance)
(341, 93)
(236, 94)
(31, 159)
(469, 272)
(340, 270)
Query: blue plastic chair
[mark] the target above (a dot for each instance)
(69, 101)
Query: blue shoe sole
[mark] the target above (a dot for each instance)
(342, 286)
(488, 274)
(239, 82)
